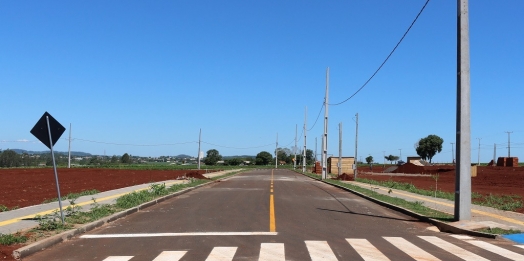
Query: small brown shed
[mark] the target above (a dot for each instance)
(347, 165)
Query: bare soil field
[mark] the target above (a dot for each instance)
(26, 187)
(494, 180)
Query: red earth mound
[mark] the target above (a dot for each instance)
(195, 175)
(27, 187)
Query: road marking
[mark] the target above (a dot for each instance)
(181, 234)
(118, 258)
(272, 222)
(521, 246)
(170, 256)
(410, 249)
(43, 213)
(455, 250)
(320, 251)
(366, 250)
(496, 249)
(272, 252)
(222, 254)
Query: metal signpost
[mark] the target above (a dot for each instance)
(48, 131)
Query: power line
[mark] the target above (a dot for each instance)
(138, 145)
(318, 116)
(227, 147)
(387, 58)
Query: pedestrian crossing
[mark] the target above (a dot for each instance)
(321, 250)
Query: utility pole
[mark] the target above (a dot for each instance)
(355, 171)
(340, 149)
(305, 139)
(494, 154)
(478, 159)
(325, 137)
(452, 154)
(295, 148)
(69, 154)
(316, 152)
(400, 154)
(276, 153)
(463, 169)
(509, 144)
(384, 157)
(199, 140)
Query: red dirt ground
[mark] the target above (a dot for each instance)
(27, 187)
(494, 180)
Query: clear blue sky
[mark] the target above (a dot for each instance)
(154, 73)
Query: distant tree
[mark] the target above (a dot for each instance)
(126, 159)
(9, 158)
(369, 159)
(310, 158)
(263, 158)
(212, 157)
(233, 162)
(391, 158)
(114, 159)
(282, 155)
(429, 146)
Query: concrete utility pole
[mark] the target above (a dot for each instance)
(305, 139)
(339, 149)
(295, 148)
(199, 140)
(325, 137)
(316, 152)
(400, 154)
(463, 169)
(478, 159)
(494, 154)
(384, 157)
(355, 171)
(509, 144)
(452, 154)
(69, 154)
(276, 153)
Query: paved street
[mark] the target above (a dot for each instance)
(273, 215)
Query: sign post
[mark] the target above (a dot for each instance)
(48, 131)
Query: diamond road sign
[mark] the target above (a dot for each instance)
(40, 130)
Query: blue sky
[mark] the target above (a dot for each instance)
(154, 73)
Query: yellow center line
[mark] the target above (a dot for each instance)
(42, 213)
(507, 219)
(272, 225)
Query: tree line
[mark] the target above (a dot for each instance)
(284, 155)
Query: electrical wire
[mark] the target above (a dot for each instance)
(227, 147)
(138, 145)
(387, 58)
(318, 116)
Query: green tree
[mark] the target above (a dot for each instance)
(369, 159)
(263, 158)
(9, 158)
(126, 159)
(114, 159)
(391, 158)
(282, 155)
(212, 157)
(429, 146)
(309, 157)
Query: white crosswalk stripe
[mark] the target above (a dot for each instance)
(272, 252)
(366, 250)
(410, 249)
(320, 250)
(455, 250)
(222, 254)
(118, 258)
(170, 256)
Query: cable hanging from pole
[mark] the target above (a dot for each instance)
(318, 116)
(387, 58)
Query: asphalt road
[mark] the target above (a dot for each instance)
(272, 215)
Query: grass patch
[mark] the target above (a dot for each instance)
(498, 231)
(11, 239)
(417, 207)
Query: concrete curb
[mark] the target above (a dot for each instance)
(442, 226)
(30, 249)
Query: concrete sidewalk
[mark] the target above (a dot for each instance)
(481, 217)
(24, 218)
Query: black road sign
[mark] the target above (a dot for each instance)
(41, 133)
